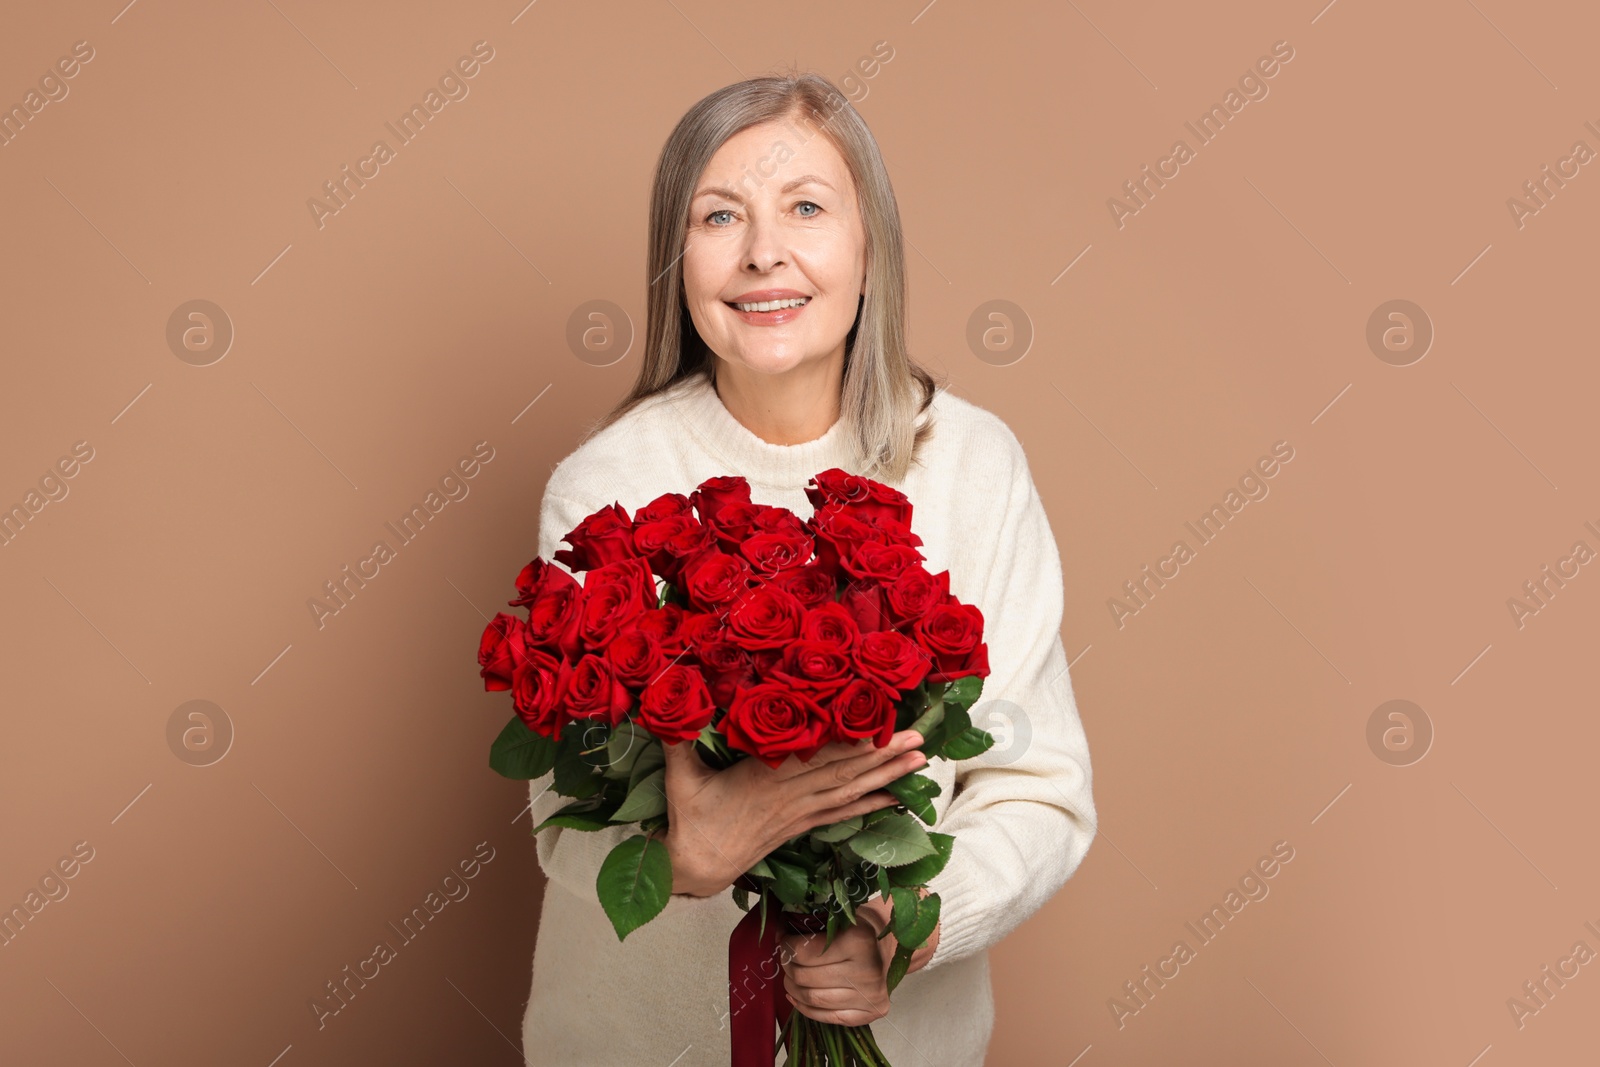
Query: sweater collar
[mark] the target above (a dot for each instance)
(739, 451)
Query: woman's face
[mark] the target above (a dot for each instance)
(775, 219)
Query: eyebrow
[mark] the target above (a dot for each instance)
(788, 187)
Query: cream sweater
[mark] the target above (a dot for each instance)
(1022, 813)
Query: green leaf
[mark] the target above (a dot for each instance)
(903, 914)
(919, 928)
(760, 870)
(892, 841)
(916, 791)
(623, 748)
(897, 967)
(592, 813)
(841, 893)
(650, 759)
(634, 883)
(789, 881)
(836, 831)
(520, 753)
(964, 691)
(922, 871)
(575, 776)
(647, 798)
(968, 743)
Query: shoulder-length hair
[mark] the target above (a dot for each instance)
(884, 390)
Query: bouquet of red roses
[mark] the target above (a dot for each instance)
(747, 632)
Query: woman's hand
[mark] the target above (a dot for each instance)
(879, 911)
(721, 822)
(843, 983)
(847, 983)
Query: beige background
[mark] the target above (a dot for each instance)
(427, 315)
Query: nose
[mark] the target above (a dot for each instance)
(765, 252)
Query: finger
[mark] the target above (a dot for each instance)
(838, 772)
(837, 975)
(868, 803)
(861, 749)
(806, 950)
(865, 779)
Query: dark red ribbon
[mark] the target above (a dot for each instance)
(756, 998)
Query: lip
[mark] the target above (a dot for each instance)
(757, 295)
(769, 318)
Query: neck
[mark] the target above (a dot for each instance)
(791, 408)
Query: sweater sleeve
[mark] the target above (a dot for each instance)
(1022, 813)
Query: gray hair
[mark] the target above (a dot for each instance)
(884, 390)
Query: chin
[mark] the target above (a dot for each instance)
(771, 362)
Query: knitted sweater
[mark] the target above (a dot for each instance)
(1022, 812)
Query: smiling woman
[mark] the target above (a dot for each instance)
(776, 351)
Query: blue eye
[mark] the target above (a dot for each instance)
(714, 214)
(802, 204)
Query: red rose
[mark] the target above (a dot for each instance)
(716, 493)
(771, 721)
(536, 692)
(831, 624)
(665, 624)
(635, 657)
(590, 690)
(535, 577)
(863, 710)
(814, 668)
(893, 659)
(765, 617)
(676, 706)
(500, 650)
(736, 522)
(952, 634)
(880, 563)
(726, 666)
(867, 605)
(838, 535)
(765, 661)
(687, 544)
(714, 580)
(914, 593)
(614, 596)
(813, 585)
(892, 532)
(555, 602)
(603, 537)
(662, 507)
(772, 553)
(863, 496)
(667, 542)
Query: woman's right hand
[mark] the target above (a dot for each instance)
(720, 823)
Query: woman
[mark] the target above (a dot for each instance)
(775, 349)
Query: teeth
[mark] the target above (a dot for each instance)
(773, 305)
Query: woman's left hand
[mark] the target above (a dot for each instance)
(846, 982)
